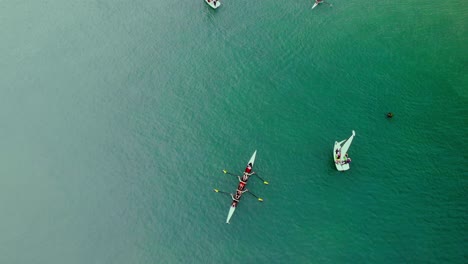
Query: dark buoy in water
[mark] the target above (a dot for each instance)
(389, 115)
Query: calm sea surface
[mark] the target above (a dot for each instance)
(118, 117)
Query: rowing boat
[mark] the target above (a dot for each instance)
(234, 203)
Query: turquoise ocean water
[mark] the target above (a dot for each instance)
(117, 117)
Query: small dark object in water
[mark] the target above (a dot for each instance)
(389, 115)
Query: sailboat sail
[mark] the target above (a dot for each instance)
(345, 147)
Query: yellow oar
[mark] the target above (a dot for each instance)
(227, 172)
(218, 191)
(264, 182)
(260, 199)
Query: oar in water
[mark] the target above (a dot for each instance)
(218, 191)
(260, 199)
(227, 172)
(264, 182)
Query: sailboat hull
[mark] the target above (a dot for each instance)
(214, 4)
(338, 162)
(342, 147)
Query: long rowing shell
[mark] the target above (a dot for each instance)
(234, 203)
(231, 212)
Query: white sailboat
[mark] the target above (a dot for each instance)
(213, 3)
(340, 153)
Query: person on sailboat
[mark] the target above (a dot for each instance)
(347, 160)
(338, 154)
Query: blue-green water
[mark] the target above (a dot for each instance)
(117, 117)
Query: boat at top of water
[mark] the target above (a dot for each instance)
(213, 3)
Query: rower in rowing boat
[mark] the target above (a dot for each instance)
(245, 177)
(247, 173)
(238, 195)
(241, 186)
(248, 169)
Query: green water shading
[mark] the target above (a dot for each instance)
(118, 118)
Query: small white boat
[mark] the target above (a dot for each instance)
(213, 3)
(316, 3)
(340, 153)
(234, 203)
